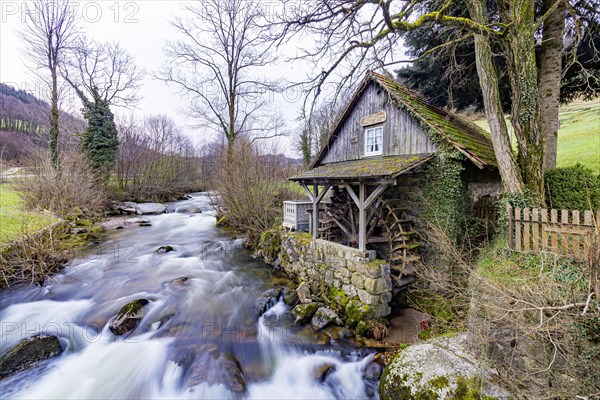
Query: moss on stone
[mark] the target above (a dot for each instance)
(356, 312)
(304, 238)
(269, 244)
(304, 312)
(363, 328)
(337, 299)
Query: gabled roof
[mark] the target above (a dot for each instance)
(386, 167)
(441, 126)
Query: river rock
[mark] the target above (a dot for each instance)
(441, 368)
(290, 297)
(128, 317)
(320, 372)
(338, 332)
(373, 372)
(224, 369)
(303, 292)
(150, 208)
(304, 312)
(188, 209)
(267, 300)
(127, 207)
(325, 317)
(119, 223)
(179, 284)
(164, 249)
(28, 353)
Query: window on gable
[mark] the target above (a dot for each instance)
(374, 141)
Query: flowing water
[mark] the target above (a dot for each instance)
(192, 331)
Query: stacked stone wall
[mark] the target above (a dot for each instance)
(346, 279)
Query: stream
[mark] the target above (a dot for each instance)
(192, 330)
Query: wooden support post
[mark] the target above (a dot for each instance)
(362, 218)
(315, 214)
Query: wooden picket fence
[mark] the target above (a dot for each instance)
(561, 232)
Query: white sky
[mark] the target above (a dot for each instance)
(142, 27)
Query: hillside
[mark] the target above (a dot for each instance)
(579, 134)
(24, 123)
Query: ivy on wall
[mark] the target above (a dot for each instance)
(445, 198)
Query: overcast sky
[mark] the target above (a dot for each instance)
(142, 27)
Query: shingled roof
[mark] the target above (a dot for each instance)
(466, 137)
(386, 167)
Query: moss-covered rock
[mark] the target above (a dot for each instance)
(304, 312)
(325, 317)
(355, 312)
(439, 369)
(128, 317)
(28, 353)
(337, 298)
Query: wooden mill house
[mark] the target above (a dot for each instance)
(363, 186)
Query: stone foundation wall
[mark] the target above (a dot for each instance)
(346, 279)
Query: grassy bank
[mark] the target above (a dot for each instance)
(15, 222)
(579, 134)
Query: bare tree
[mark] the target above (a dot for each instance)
(316, 129)
(216, 64)
(48, 31)
(103, 71)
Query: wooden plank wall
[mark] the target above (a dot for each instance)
(402, 134)
(564, 232)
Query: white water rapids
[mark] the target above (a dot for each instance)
(211, 312)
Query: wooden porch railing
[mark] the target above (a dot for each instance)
(561, 232)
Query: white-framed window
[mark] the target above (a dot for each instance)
(374, 141)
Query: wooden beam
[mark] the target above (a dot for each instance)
(307, 190)
(352, 194)
(380, 189)
(362, 218)
(323, 193)
(315, 215)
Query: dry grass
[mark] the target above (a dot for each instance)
(73, 189)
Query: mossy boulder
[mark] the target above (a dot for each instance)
(324, 317)
(290, 297)
(355, 312)
(128, 317)
(338, 300)
(304, 312)
(439, 369)
(28, 353)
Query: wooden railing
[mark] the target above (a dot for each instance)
(561, 232)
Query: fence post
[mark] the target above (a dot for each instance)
(511, 237)
(587, 239)
(564, 238)
(543, 227)
(526, 229)
(535, 218)
(554, 234)
(576, 242)
(518, 229)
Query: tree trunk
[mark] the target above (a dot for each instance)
(488, 79)
(549, 79)
(54, 115)
(525, 112)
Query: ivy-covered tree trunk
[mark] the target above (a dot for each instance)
(100, 141)
(54, 115)
(488, 78)
(523, 76)
(550, 77)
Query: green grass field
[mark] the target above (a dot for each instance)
(16, 222)
(579, 134)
